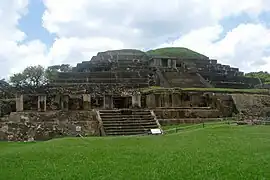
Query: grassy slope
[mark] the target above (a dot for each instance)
(176, 52)
(227, 152)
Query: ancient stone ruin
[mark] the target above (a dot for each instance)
(120, 93)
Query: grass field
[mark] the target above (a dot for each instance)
(218, 152)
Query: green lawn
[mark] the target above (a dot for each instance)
(221, 152)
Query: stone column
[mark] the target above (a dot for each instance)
(86, 101)
(57, 101)
(19, 102)
(169, 63)
(136, 100)
(108, 102)
(45, 103)
(151, 101)
(155, 62)
(42, 99)
(158, 62)
(173, 63)
(64, 102)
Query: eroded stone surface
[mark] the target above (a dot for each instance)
(252, 105)
(25, 126)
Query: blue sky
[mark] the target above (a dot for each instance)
(62, 31)
(32, 23)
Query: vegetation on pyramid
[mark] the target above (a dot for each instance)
(184, 53)
(264, 76)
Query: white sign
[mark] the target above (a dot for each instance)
(156, 131)
(78, 128)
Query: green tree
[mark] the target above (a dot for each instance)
(30, 76)
(51, 71)
(264, 76)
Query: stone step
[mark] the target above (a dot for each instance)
(122, 117)
(141, 113)
(127, 130)
(128, 84)
(129, 123)
(103, 80)
(114, 128)
(108, 121)
(117, 111)
(128, 133)
(125, 114)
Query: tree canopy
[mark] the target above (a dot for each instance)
(264, 76)
(37, 75)
(30, 76)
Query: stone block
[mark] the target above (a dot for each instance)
(136, 100)
(86, 101)
(19, 102)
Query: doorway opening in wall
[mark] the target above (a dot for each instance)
(65, 105)
(30, 102)
(75, 103)
(143, 101)
(122, 102)
(42, 105)
(164, 62)
(97, 102)
(179, 65)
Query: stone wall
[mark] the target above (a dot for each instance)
(252, 104)
(166, 122)
(179, 113)
(225, 104)
(183, 79)
(25, 126)
(180, 99)
(174, 107)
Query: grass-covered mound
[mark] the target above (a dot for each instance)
(176, 52)
(224, 152)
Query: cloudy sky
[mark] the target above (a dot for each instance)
(69, 31)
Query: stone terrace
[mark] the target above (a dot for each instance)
(222, 76)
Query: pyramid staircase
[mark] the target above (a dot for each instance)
(127, 122)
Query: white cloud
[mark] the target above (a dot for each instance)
(74, 50)
(244, 47)
(10, 13)
(14, 54)
(147, 24)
